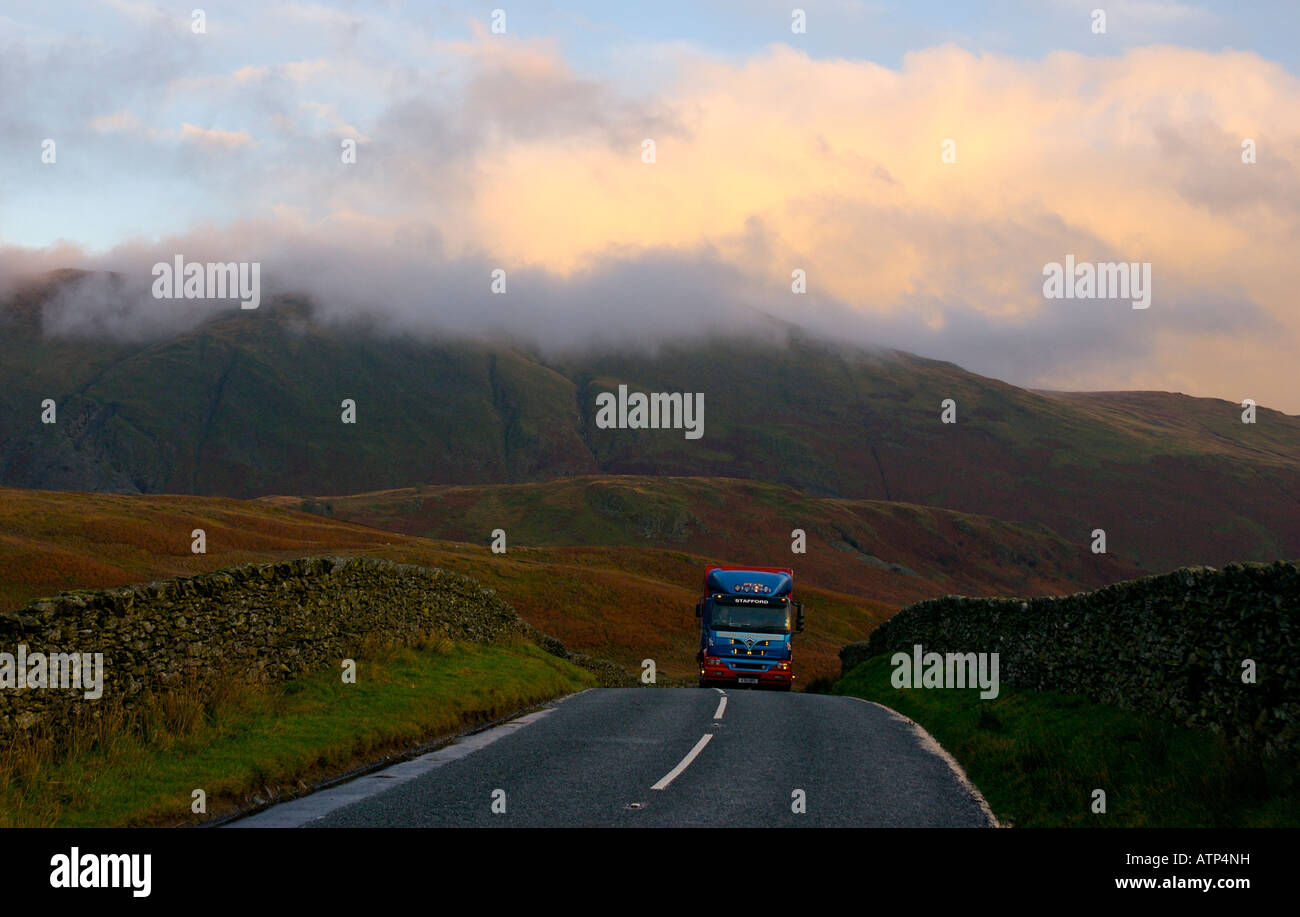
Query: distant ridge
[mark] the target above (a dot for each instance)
(249, 404)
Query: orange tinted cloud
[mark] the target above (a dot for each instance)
(834, 166)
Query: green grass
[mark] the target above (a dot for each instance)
(1037, 756)
(234, 741)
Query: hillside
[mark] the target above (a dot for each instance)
(891, 552)
(249, 404)
(621, 603)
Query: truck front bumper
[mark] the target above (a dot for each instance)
(715, 671)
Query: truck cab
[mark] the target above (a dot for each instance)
(748, 616)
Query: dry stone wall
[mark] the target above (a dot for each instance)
(1172, 646)
(263, 622)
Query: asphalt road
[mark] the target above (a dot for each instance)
(623, 757)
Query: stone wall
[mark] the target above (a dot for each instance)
(1171, 646)
(262, 622)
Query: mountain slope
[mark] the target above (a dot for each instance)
(249, 404)
(622, 603)
(891, 552)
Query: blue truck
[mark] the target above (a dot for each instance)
(747, 617)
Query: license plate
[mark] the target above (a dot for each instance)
(747, 681)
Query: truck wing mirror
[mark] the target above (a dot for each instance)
(699, 609)
(798, 621)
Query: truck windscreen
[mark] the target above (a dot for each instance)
(755, 619)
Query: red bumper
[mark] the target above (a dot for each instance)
(715, 670)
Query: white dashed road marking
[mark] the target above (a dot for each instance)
(683, 764)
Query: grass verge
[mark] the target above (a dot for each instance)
(238, 741)
(1037, 756)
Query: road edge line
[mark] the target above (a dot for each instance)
(931, 744)
(432, 756)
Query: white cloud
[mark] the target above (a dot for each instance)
(209, 137)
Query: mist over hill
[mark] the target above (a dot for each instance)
(249, 404)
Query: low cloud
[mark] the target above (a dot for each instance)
(497, 154)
